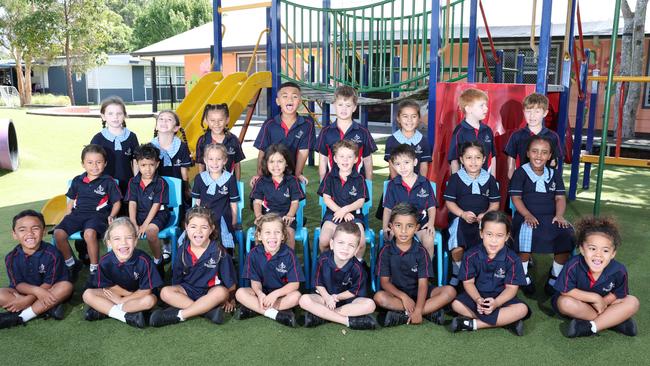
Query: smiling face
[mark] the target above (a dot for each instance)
(271, 235)
(114, 116)
(147, 168)
(535, 116)
(472, 160)
(216, 120)
(539, 153)
(29, 233)
(94, 164)
(494, 235)
(344, 108)
(345, 159)
(198, 231)
(122, 241)
(166, 123)
(404, 165)
(344, 245)
(215, 160)
(404, 228)
(598, 251)
(476, 110)
(276, 165)
(408, 119)
(288, 99)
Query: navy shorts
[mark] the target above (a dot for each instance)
(81, 221)
(491, 319)
(161, 219)
(414, 294)
(193, 292)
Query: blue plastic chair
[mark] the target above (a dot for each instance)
(302, 235)
(369, 233)
(441, 255)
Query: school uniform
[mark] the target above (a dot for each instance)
(300, 136)
(44, 266)
(356, 133)
(539, 199)
(273, 271)
(198, 275)
(343, 192)
(351, 277)
(174, 159)
(420, 195)
(473, 195)
(405, 269)
(277, 197)
(233, 148)
(92, 205)
(156, 191)
(419, 142)
(576, 274)
(464, 132)
(518, 144)
(491, 277)
(217, 195)
(119, 151)
(136, 273)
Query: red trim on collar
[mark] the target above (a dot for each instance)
(285, 128)
(592, 280)
(268, 256)
(86, 180)
(408, 189)
(192, 255)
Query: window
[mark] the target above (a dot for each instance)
(180, 76)
(259, 65)
(509, 61)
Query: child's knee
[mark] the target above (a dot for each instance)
(242, 293)
(368, 305)
(88, 295)
(149, 301)
(90, 235)
(449, 293)
(305, 301)
(567, 304)
(60, 235)
(152, 232)
(633, 301)
(380, 298)
(457, 254)
(166, 292)
(64, 289)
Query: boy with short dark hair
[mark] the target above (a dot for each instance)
(38, 281)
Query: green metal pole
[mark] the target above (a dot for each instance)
(608, 92)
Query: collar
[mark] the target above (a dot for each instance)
(330, 261)
(138, 180)
(607, 271)
(414, 140)
(466, 124)
(209, 251)
(501, 255)
(37, 252)
(542, 132)
(354, 126)
(299, 121)
(394, 249)
(134, 257)
(335, 173)
(284, 249)
(419, 180)
(84, 178)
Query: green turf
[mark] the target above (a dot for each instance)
(49, 149)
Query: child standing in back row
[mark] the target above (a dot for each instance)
(408, 119)
(217, 116)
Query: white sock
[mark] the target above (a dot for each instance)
(93, 268)
(27, 314)
(157, 260)
(69, 262)
(271, 313)
(474, 324)
(525, 265)
(347, 322)
(180, 315)
(593, 327)
(556, 269)
(117, 313)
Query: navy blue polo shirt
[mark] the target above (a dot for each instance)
(145, 196)
(421, 147)
(492, 275)
(96, 196)
(273, 271)
(182, 159)
(464, 132)
(44, 266)
(118, 162)
(343, 192)
(233, 148)
(576, 274)
(461, 194)
(277, 197)
(351, 277)
(356, 133)
(213, 268)
(518, 142)
(405, 268)
(137, 273)
(219, 202)
(421, 195)
(538, 203)
(300, 136)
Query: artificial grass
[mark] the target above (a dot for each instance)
(46, 166)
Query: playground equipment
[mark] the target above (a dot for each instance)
(8, 145)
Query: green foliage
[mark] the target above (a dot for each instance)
(50, 99)
(165, 18)
(129, 10)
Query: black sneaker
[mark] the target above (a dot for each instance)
(135, 319)
(627, 327)
(8, 320)
(460, 323)
(528, 289)
(73, 271)
(161, 269)
(91, 281)
(160, 317)
(312, 320)
(286, 317)
(91, 314)
(167, 254)
(82, 249)
(517, 327)
(393, 318)
(548, 288)
(579, 328)
(244, 313)
(437, 317)
(365, 322)
(57, 312)
(216, 315)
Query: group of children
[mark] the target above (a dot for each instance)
(124, 284)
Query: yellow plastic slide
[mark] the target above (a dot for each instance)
(199, 93)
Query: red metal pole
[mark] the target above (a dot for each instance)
(485, 64)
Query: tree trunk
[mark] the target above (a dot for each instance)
(28, 80)
(626, 54)
(633, 96)
(18, 57)
(68, 61)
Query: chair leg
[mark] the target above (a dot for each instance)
(306, 260)
(242, 258)
(314, 256)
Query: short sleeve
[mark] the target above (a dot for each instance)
(567, 279)
(388, 149)
(311, 143)
(150, 278)
(184, 155)
(359, 280)
(257, 193)
(426, 150)
(431, 198)
(262, 141)
(233, 190)
(453, 145)
(322, 142)
(559, 184)
(295, 191)
(559, 149)
(131, 192)
(103, 279)
(425, 265)
(239, 153)
(114, 193)
(493, 148)
(383, 262)
(389, 196)
(161, 192)
(177, 266)
(468, 268)
(253, 272)
(517, 181)
(197, 187)
(495, 195)
(308, 130)
(515, 271)
(511, 146)
(295, 274)
(318, 279)
(56, 271)
(13, 272)
(369, 145)
(620, 286)
(363, 187)
(73, 189)
(227, 273)
(325, 186)
(451, 191)
(200, 145)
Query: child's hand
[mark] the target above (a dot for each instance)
(339, 216)
(388, 233)
(600, 305)
(468, 216)
(254, 180)
(531, 221)
(141, 231)
(479, 305)
(489, 305)
(110, 219)
(288, 220)
(303, 179)
(330, 302)
(561, 221)
(110, 295)
(261, 299)
(480, 217)
(269, 300)
(45, 296)
(257, 220)
(429, 227)
(229, 305)
(415, 317)
(409, 304)
(348, 217)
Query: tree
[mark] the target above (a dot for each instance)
(631, 63)
(165, 18)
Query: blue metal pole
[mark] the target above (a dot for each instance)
(544, 47)
(270, 100)
(325, 120)
(577, 131)
(593, 105)
(311, 104)
(520, 68)
(363, 110)
(276, 60)
(216, 29)
(395, 78)
(471, 51)
(498, 69)
(434, 46)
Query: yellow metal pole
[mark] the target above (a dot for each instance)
(225, 9)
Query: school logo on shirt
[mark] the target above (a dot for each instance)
(487, 139)
(487, 193)
(150, 196)
(423, 193)
(353, 192)
(136, 275)
(299, 134)
(100, 190)
(211, 263)
(286, 193)
(356, 139)
(551, 187)
(41, 268)
(347, 282)
(414, 268)
(418, 149)
(281, 268)
(500, 273)
(128, 152)
(223, 190)
(178, 162)
(609, 287)
(231, 151)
